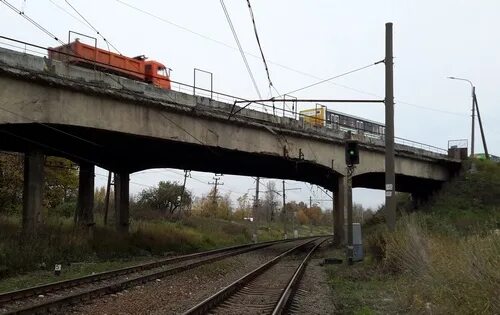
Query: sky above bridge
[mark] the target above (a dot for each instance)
(303, 42)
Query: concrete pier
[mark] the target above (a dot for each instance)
(85, 204)
(33, 191)
(122, 201)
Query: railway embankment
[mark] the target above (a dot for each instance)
(443, 258)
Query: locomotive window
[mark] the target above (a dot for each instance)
(360, 125)
(161, 71)
(336, 119)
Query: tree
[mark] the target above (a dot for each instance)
(244, 209)
(206, 207)
(60, 181)
(270, 203)
(166, 198)
(11, 182)
(314, 214)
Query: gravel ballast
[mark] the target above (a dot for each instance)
(177, 293)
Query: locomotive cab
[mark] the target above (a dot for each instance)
(157, 74)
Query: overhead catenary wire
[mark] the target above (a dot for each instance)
(260, 46)
(69, 13)
(92, 26)
(21, 13)
(164, 20)
(242, 53)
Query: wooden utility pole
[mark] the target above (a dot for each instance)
(390, 177)
(181, 199)
(216, 184)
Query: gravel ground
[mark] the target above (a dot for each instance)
(177, 293)
(314, 295)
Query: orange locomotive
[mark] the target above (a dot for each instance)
(137, 68)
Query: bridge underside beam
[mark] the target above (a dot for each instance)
(108, 149)
(408, 184)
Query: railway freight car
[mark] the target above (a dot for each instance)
(322, 116)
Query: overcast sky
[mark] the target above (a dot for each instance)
(304, 41)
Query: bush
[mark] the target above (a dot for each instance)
(443, 274)
(65, 210)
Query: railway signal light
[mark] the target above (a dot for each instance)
(351, 153)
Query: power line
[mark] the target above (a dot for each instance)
(98, 33)
(242, 53)
(161, 19)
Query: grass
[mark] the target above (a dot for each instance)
(443, 260)
(30, 261)
(361, 288)
(69, 271)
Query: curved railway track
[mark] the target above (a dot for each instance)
(73, 291)
(269, 289)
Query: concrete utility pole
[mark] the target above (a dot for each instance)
(106, 201)
(350, 246)
(473, 121)
(390, 177)
(310, 211)
(255, 209)
(486, 154)
(473, 110)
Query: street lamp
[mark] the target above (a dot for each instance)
(473, 112)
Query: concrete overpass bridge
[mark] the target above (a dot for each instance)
(51, 108)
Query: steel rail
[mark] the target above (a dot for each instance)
(64, 284)
(287, 295)
(92, 293)
(206, 305)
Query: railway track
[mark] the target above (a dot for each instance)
(52, 296)
(269, 289)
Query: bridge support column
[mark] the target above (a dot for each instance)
(33, 191)
(122, 201)
(85, 206)
(338, 213)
